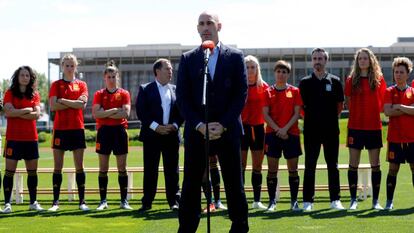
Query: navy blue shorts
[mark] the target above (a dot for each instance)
(112, 138)
(400, 152)
(68, 139)
(370, 139)
(17, 150)
(275, 146)
(253, 137)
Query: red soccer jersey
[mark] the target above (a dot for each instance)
(412, 83)
(281, 105)
(252, 113)
(365, 105)
(19, 129)
(400, 128)
(109, 100)
(69, 118)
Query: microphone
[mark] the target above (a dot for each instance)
(208, 47)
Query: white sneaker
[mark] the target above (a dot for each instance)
(84, 207)
(103, 205)
(354, 204)
(307, 206)
(376, 205)
(220, 205)
(54, 208)
(125, 205)
(7, 208)
(272, 207)
(36, 206)
(258, 205)
(294, 206)
(337, 205)
(389, 205)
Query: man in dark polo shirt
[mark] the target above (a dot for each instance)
(323, 97)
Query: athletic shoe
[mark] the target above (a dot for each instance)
(258, 205)
(35, 206)
(376, 205)
(354, 204)
(54, 208)
(125, 205)
(307, 206)
(212, 208)
(294, 206)
(271, 207)
(219, 206)
(7, 208)
(337, 205)
(389, 205)
(84, 207)
(103, 205)
(174, 207)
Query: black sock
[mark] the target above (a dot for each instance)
(57, 182)
(123, 184)
(207, 188)
(391, 183)
(8, 185)
(215, 182)
(103, 184)
(257, 184)
(353, 181)
(32, 184)
(271, 187)
(376, 182)
(80, 182)
(294, 185)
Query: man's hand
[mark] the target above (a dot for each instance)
(162, 129)
(216, 130)
(171, 128)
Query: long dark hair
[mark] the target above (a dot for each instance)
(15, 86)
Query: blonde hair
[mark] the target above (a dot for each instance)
(259, 79)
(402, 61)
(69, 56)
(374, 70)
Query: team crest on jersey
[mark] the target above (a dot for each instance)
(409, 94)
(117, 96)
(289, 94)
(75, 87)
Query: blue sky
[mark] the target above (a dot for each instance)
(29, 30)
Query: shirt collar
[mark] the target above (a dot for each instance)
(159, 85)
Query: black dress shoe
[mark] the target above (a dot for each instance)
(174, 207)
(144, 208)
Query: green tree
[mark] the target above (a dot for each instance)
(42, 87)
(5, 84)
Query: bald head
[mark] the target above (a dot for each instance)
(208, 26)
(213, 15)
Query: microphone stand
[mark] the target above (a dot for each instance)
(207, 135)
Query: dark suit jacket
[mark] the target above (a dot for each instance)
(149, 109)
(227, 94)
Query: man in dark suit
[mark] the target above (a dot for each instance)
(227, 96)
(160, 121)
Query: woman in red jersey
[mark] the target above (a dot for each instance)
(253, 125)
(111, 108)
(281, 113)
(399, 107)
(364, 91)
(22, 108)
(68, 97)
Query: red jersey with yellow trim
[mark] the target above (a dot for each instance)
(108, 100)
(365, 105)
(281, 105)
(19, 129)
(252, 113)
(70, 118)
(400, 128)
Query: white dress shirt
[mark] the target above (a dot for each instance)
(165, 94)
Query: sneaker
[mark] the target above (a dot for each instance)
(294, 206)
(307, 206)
(175, 207)
(271, 207)
(103, 205)
(84, 207)
(125, 205)
(258, 205)
(219, 206)
(7, 208)
(54, 208)
(376, 205)
(212, 208)
(35, 206)
(389, 205)
(354, 204)
(337, 205)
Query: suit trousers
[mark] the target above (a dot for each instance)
(227, 149)
(168, 145)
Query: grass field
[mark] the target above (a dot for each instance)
(161, 219)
